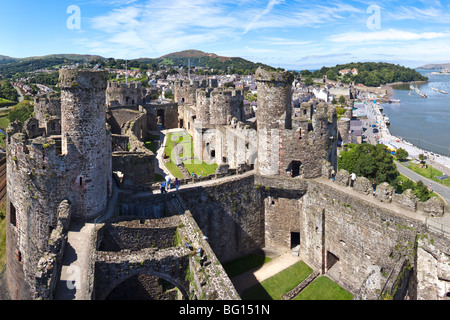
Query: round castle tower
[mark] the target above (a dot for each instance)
(41, 175)
(274, 105)
(84, 136)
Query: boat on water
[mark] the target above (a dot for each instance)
(435, 89)
(442, 91)
(394, 101)
(387, 121)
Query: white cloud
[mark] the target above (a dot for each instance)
(268, 8)
(385, 35)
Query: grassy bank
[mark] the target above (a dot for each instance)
(202, 169)
(428, 172)
(276, 286)
(323, 288)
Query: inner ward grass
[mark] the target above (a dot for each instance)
(276, 286)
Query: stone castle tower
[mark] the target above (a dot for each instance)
(84, 133)
(302, 145)
(44, 171)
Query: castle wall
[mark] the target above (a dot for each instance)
(37, 182)
(185, 91)
(123, 94)
(236, 204)
(45, 108)
(168, 112)
(432, 270)
(365, 238)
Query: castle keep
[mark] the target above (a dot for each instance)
(82, 161)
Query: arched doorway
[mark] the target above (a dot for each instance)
(144, 286)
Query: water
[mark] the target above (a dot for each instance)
(423, 122)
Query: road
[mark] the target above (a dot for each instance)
(442, 190)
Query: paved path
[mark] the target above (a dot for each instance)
(73, 284)
(250, 278)
(442, 190)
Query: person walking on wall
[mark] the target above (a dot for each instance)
(177, 183)
(333, 175)
(168, 182)
(163, 187)
(352, 179)
(374, 186)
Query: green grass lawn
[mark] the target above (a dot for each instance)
(429, 173)
(202, 169)
(241, 265)
(152, 143)
(323, 288)
(279, 284)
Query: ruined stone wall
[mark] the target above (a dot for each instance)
(123, 94)
(118, 116)
(311, 143)
(38, 180)
(344, 130)
(236, 204)
(49, 265)
(137, 163)
(367, 249)
(363, 236)
(185, 91)
(169, 112)
(45, 108)
(432, 272)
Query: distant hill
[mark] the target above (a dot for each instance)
(13, 67)
(6, 59)
(193, 54)
(435, 66)
(197, 58)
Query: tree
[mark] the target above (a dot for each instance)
(331, 75)
(370, 161)
(308, 81)
(168, 94)
(401, 154)
(342, 100)
(22, 112)
(421, 191)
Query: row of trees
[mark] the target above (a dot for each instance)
(376, 163)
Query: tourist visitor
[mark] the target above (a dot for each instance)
(333, 175)
(168, 182)
(353, 178)
(177, 183)
(374, 186)
(163, 187)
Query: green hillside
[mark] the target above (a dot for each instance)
(372, 74)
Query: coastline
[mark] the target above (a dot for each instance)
(440, 161)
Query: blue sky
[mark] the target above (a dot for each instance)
(290, 34)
